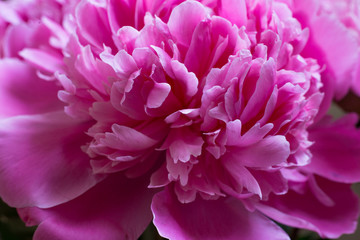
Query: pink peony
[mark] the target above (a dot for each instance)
(202, 115)
(20, 27)
(334, 40)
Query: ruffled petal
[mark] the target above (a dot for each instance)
(116, 208)
(210, 219)
(41, 161)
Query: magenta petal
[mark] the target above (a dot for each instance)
(158, 95)
(306, 211)
(193, 12)
(96, 34)
(16, 97)
(264, 154)
(41, 161)
(262, 92)
(225, 219)
(117, 18)
(127, 139)
(235, 11)
(332, 142)
(116, 208)
(182, 144)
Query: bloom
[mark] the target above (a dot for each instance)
(203, 123)
(334, 41)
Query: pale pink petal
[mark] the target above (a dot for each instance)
(42, 59)
(193, 12)
(225, 219)
(42, 163)
(15, 39)
(158, 95)
(127, 139)
(9, 14)
(116, 208)
(182, 144)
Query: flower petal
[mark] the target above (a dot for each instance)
(96, 34)
(22, 92)
(264, 154)
(306, 211)
(235, 11)
(193, 12)
(43, 60)
(210, 219)
(116, 208)
(41, 161)
(334, 141)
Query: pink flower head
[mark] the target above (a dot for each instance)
(334, 40)
(27, 24)
(198, 113)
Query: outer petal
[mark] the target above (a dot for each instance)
(210, 219)
(41, 161)
(306, 211)
(22, 92)
(116, 208)
(332, 142)
(330, 42)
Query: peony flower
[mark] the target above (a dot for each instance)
(202, 115)
(334, 41)
(21, 28)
